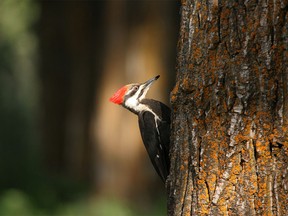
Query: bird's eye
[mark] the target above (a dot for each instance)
(135, 88)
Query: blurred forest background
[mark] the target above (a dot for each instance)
(64, 148)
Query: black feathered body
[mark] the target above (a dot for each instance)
(154, 123)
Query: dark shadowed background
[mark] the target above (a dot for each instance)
(64, 148)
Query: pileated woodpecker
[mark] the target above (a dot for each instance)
(153, 119)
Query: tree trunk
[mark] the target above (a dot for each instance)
(229, 151)
(68, 78)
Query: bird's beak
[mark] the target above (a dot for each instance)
(149, 82)
(146, 85)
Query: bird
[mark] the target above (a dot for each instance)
(153, 119)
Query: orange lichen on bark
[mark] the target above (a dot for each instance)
(203, 196)
(174, 92)
(263, 202)
(248, 173)
(229, 196)
(184, 2)
(222, 206)
(186, 84)
(262, 147)
(197, 53)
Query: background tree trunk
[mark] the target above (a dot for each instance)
(68, 77)
(230, 110)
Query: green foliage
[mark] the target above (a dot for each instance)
(17, 203)
(14, 203)
(103, 207)
(18, 98)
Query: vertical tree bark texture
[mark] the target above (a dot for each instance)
(229, 151)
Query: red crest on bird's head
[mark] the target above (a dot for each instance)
(118, 97)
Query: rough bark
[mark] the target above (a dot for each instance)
(229, 151)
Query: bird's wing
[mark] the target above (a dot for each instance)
(154, 142)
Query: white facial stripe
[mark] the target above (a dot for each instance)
(132, 102)
(144, 92)
(129, 91)
(138, 92)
